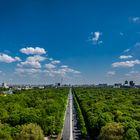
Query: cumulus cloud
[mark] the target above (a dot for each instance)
(127, 50)
(55, 61)
(126, 56)
(36, 58)
(32, 61)
(126, 64)
(63, 71)
(95, 38)
(132, 73)
(111, 73)
(33, 64)
(50, 66)
(64, 66)
(37, 64)
(31, 50)
(8, 59)
(25, 70)
(68, 70)
(17, 59)
(136, 19)
(135, 50)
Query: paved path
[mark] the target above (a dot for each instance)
(76, 127)
(71, 129)
(66, 129)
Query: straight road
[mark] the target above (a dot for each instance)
(71, 129)
(66, 129)
(76, 127)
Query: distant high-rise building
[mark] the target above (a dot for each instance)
(126, 82)
(58, 84)
(102, 85)
(117, 85)
(4, 85)
(131, 83)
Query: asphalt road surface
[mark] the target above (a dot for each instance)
(76, 127)
(71, 129)
(66, 129)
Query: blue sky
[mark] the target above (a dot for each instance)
(82, 41)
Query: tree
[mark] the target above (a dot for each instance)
(15, 131)
(5, 132)
(105, 118)
(31, 132)
(131, 134)
(45, 107)
(3, 115)
(112, 131)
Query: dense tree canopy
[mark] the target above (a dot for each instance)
(44, 107)
(105, 108)
(111, 131)
(31, 132)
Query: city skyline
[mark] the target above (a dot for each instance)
(82, 42)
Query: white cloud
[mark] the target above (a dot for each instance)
(63, 71)
(32, 61)
(8, 59)
(51, 59)
(33, 64)
(136, 19)
(126, 56)
(17, 59)
(100, 42)
(127, 50)
(36, 58)
(95, 38)
(31, 50)
(132, 73)
(64, 66)
(111, 73)
(55, 62)
(25, 70)
(126, 64)
(50, 66)
(69, 70)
